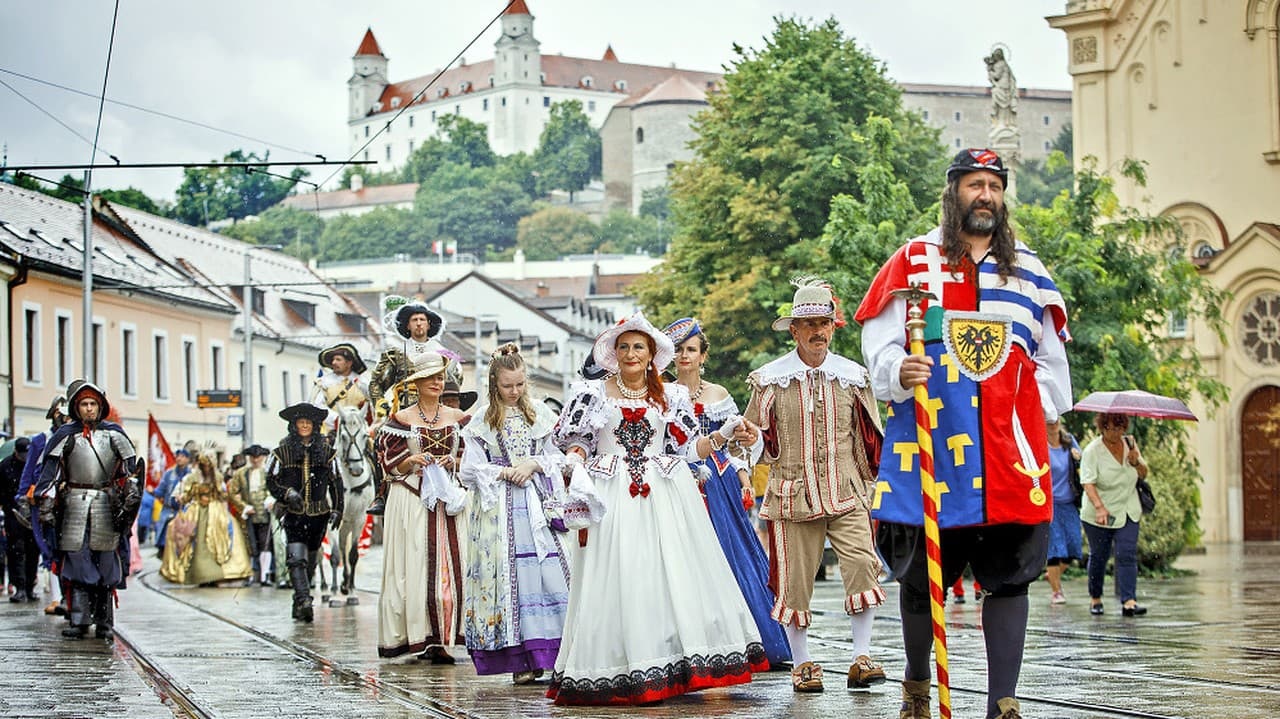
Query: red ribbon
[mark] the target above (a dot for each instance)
(676, 432)
(640, 489)
(633, 415)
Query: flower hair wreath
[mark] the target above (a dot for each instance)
(510, 348)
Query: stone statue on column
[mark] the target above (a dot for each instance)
(1004, 136)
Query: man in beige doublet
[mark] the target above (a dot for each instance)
(821, 441)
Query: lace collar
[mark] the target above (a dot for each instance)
(789, 367)
(544, 421)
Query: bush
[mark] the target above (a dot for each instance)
(1175, 523)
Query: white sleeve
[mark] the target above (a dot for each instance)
(1052, 373)
(883, 350)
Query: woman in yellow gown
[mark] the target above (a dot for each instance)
(216, 550)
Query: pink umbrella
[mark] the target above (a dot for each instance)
(1137, 403)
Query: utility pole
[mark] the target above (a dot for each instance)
(247, 374)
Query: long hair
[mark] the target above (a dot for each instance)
(507, 357)
(652, 378)
(1003, 245)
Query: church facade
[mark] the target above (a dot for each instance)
(1193, 89)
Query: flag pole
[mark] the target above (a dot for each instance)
(914, 296)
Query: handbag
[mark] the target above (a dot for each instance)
(1146, 497)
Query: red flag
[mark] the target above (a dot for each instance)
(159, 456)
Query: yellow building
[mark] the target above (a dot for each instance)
(1193, 88)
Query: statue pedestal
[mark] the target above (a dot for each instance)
(1007, 142)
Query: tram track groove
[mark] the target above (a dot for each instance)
(432, 707)
(178, 696)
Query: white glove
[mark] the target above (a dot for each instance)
(572, 458)
(730, 425)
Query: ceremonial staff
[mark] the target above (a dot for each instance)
(914, 295)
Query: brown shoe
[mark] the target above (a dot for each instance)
(864, 673)
(807, 678)
(1009, 708)
(52, 608)
(915, 699)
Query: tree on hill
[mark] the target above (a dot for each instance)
(71, 189)
(459, 141)
(382, 232)
(297, 231)
(472, 206)
(751, 206)
(569, 150)
(216, 193)
(553, 232)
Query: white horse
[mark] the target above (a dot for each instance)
(359, 478)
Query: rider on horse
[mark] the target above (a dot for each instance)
(340, 384)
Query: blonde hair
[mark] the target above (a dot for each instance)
(507, 357)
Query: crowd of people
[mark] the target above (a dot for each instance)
(610, 545)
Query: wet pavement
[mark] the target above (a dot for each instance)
(1210, 647)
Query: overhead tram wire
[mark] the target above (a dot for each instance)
(423, 91)
(53, 117)
(157, 113)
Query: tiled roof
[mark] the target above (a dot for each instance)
(610, 55)
(287, 281)
(675, 89)
(369, 196)
(48, 233)
(517, 8)
(606, 76)
(369, 45)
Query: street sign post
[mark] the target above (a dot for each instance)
(217, 398)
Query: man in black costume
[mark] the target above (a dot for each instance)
(90, 489)
(302, 478)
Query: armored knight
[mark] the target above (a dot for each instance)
(89, 489)
(302, 479)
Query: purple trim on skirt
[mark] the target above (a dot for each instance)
(531, 655)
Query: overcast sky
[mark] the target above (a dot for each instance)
(276, 70)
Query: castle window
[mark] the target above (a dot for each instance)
(457, 109)
(491, 81)
(546, 101)
(957, 119)
(924, 114)
(388, 153)
(411, 147)
(639, 135)
(588, 81)
(486, 103)
(464, 86)
(591, 105)
(620, 85)
(433, 115)
(504, 101)
(411, 122)
(395, 102)
(542, 77)
(1048, 145)
(1047, 120)
(366, 130)
(958, 142)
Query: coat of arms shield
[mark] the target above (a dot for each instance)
(979, 342)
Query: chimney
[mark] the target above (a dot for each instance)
(357, 182)
(542, 290)
(518, 260)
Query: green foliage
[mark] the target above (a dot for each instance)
(459, 141)
(621, 232)
(383, 232)
(71, 189)
(553, 232)
(472, 206)
(1038, 183)
(750, 208)
(215, 193)
(369, 176)
(655, 202)
(569, 151)
(298, 232)
(1175, 523)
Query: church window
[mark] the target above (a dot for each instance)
(1203, 251)
(957, 117)
(1260, 329)
(639, 135)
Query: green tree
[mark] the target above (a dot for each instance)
(370, 177)
(1124, 275)
(569, 150)
(472, 206)
(383, 232)
(1039, 181)
(215, 193)
(297, 231)
(624, 233)
(459, 141)
(71, 189)
(552, 232)
(752, 204)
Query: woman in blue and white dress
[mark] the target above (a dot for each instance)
(516, 591)
(727, 489)
(654, 610)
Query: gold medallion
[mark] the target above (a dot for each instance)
(1037, 496)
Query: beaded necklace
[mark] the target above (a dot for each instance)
(627, 392)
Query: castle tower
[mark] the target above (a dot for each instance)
(368, 78)
(517, 69)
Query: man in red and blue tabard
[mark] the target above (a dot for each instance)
(996, 370)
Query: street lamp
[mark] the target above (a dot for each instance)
(246, 378)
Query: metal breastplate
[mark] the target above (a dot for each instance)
(87, 509)
(90, 461)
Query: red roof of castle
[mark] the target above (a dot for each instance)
(610, 55)
(369, 45)
(517, 8)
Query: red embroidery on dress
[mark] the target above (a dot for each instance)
(634, 434)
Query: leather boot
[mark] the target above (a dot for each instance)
(296, 558)
(379, 503)
(80, 606)
(104, 614)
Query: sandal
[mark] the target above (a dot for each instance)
(807, 678)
